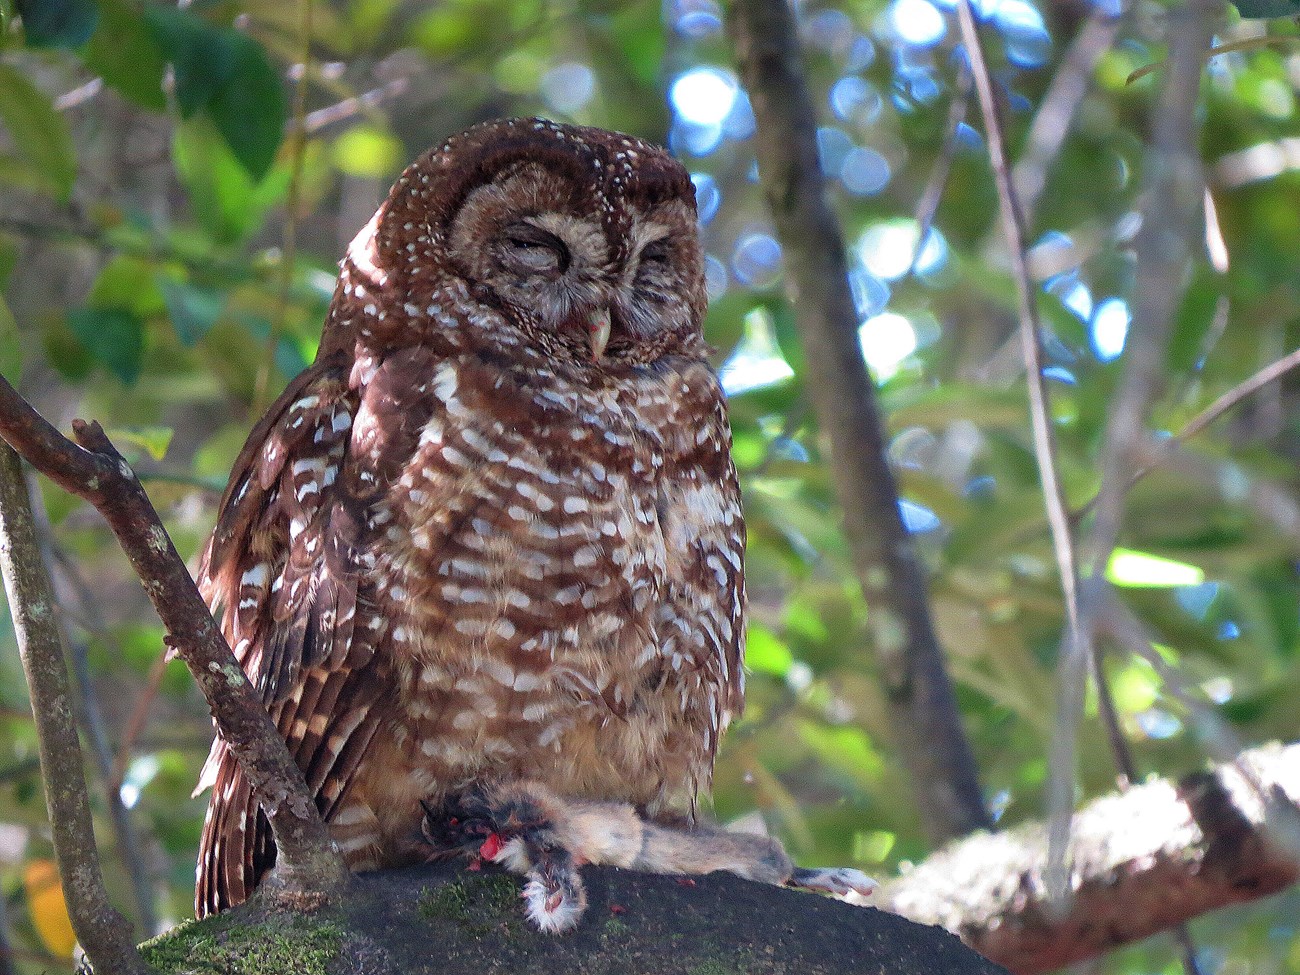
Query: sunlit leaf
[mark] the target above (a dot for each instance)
(367, 151)
(1130, 568)
(48, 909)
(765, 652)
(127, 282)
(37, 130)
(153, 440)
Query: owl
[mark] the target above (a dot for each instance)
(484, 558)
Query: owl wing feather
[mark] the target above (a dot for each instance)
(284, 564)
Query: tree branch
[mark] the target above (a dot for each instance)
(93, 470)
(918, 690)
(1143, 862)
(105, 935)
(92, 719)
(1174, 190)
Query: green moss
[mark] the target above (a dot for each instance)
(225, 946)
(477, 902)
(712, 968)
(615, 927)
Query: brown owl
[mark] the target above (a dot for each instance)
(485, 556)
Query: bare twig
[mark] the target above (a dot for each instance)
(139, 718)
(6, 952)
(928, 205)
(297, 134)
(918, 690)
(1051, 123)
(1174, 190)
(104, 934)
(1040, 415)
(1076, 647)
(93, 470)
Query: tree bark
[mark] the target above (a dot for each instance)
(105, 935)
(444, 920)
(308, 869)
(1143, 861)
(919, 692)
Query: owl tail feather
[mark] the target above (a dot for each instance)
(236, 848)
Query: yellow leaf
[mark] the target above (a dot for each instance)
(48, 909)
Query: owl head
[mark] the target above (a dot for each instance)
(576, 243)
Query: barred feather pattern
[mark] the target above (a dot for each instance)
(469, 545)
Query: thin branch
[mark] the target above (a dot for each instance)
(1058, 517)
(6, 951)
(1158, 453)
(1076, 647)
(928, 205)
(104, 934)
(93, 470)
(918, 689)
(1052, 121)
(92, 716)
(1173, 195)
(297, 134)
(139, 718)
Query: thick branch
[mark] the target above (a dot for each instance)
(1143, 862)
(104, 934)
(918, 689)
(96, 472)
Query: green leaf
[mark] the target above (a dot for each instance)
(153, 440)
(113, 336)
(765, 652)
(11, 353)
(228, 76)
(249, 110)
(126, 54)
(38, 131)
(58, 23)
(127, 282)
(200, 54)
(219, 188)
(193, 310)
(1262, 9)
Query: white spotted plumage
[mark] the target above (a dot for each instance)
(471, 543)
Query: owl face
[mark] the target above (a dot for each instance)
(576, 243)
(540, 247)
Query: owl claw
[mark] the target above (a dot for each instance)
(510, 827)
(833, 880)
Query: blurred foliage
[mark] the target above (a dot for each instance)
(151, 159)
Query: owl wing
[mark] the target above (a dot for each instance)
(702, 616)
(283, 565)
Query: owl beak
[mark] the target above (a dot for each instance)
(598, 324)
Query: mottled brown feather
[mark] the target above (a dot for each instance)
(461, 549)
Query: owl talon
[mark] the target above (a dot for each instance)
(833, 880)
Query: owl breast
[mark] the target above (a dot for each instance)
(561, 579)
